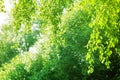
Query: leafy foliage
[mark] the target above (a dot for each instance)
(19, 73)
(7, 49)
(73, 40)
(2, 6)
(103, 39)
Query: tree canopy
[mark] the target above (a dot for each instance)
(72, 40)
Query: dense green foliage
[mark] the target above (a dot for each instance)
(72, 40)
